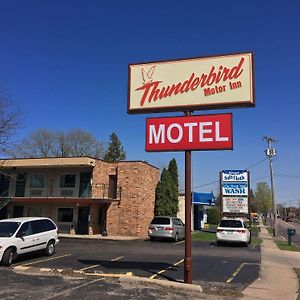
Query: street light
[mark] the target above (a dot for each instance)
(270, 152)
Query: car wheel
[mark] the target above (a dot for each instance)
(219, 243)
(8, 257)
(176, 238)
(50, 248)
(152, 238)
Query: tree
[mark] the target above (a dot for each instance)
(253, 202)
(173, 171)
(263, 196)
(115, 151)
(10, 118)
(213, 215)
(47, 143)
(163, 195)
(166, 194)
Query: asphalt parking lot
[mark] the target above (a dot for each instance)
(227, 265)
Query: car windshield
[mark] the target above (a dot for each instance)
(162, 221)
(7, 229)
(231, 223)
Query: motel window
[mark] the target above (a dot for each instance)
(65, 214)
(37, 181)
(67, 180)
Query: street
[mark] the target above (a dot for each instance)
(282, 230)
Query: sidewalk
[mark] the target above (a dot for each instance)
(277, 279)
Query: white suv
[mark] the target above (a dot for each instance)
(233, 230)
(23, 235)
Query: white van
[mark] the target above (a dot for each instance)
(24, 235)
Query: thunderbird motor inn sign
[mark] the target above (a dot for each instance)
(191, 84)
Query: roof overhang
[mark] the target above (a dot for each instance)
(48, 162)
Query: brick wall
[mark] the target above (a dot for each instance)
(132, 215)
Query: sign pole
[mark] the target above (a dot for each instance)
(188, 249)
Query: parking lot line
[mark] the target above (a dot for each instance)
(235, 273)
(162, 271)
(238, 270)
(180, 242)
(42, 260)
(118, 258)
(90, 267)
(95, 266)
(66, 292)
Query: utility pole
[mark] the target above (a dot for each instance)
(270, 152)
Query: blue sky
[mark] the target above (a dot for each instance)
(65, 63)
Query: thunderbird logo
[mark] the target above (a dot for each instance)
(147, 76)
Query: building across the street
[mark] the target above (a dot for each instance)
(82, 195)
(201, 203)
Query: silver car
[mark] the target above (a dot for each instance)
(163, 227)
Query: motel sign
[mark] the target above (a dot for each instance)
(207, 132)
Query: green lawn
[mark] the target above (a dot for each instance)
(203, 236)
(270, 230)
(211, 237)
(255, 228)
(283, 245)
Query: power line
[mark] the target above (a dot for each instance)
(287, 175)
(215, 181)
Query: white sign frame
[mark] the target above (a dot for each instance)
(191, 84)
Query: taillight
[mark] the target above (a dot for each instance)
(241, 231)
(151, 227)
(168, 228)
(219, 230)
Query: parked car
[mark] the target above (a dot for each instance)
(24, 235)
(233, 230)
(164, 227)
(288, 219)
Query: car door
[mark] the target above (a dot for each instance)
(24, 239)
(182, 230)
(40, 234)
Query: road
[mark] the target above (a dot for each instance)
(231, 265)
(282, 230)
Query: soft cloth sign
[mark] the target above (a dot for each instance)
(234, 175)
(191, 84)
(205, 132)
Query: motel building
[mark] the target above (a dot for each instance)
(82, 195)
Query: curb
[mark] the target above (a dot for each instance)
(100, 238)
(181, 285)
(126, 277)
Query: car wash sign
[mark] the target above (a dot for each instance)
(204, 132)
(191, 84)
(235, 192)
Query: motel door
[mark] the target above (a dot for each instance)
(83, 220)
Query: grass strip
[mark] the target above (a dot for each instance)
(203, 236)
(283, 245)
